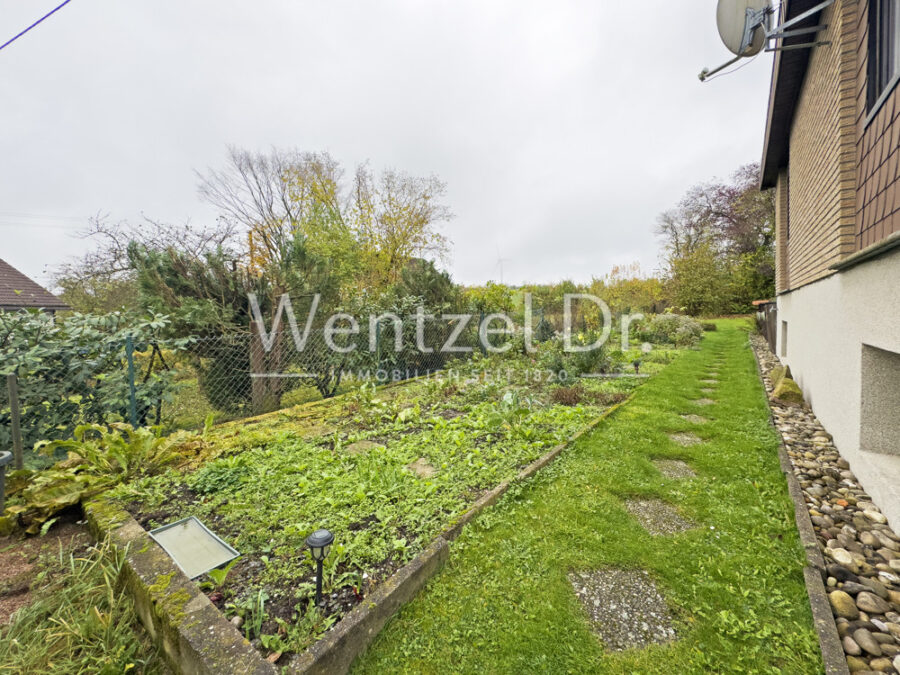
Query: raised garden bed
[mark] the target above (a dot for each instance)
(386, 471)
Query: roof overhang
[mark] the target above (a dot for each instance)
(788, 73)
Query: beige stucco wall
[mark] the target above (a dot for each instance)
(829, 321)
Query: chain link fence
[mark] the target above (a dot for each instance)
(183, 383)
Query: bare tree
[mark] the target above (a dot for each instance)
(388, 219)
(100, 280)
(396, 216)
(731, 216)
(270, 196)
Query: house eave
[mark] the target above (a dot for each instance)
(788, 72)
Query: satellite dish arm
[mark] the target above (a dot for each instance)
(706, 72)
(755, 19)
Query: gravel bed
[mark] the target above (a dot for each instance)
(862, 552)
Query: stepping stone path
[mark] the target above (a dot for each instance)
(674, 468)
(707, 391)
(624, 607)
(703, 401)
(685, 439)
(657, 517)
(422, 468)
(361, 446)
(695, 419)
(862, 552)
(710, 381)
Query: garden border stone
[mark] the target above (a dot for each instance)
(196, 638)
(193, 635)
(814, 571)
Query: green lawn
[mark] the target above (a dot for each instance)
(734, 584)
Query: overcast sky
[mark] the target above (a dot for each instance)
(561, 128)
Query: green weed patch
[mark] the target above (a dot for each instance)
(385, 470)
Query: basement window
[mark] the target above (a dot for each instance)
(783, 351)
(880, 400)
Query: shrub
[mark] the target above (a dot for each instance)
(676, 329)
(74, 370)
(99, 458)
(544, 330)
(554, 358)
(708, 326)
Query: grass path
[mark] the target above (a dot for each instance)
(734, 584)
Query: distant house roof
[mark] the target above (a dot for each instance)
(788, 72)
(19, 292)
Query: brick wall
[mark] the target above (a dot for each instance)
(877, 152)
(822, 180)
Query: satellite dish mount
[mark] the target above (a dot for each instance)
(748, 38)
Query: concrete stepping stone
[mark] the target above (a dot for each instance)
(624, 608)
(685, 439)
(657, 517)
(695, 419)
(710, 381)
(422, 468)
(360, 447)
(707, 391)
(674, 468)
(703, 401)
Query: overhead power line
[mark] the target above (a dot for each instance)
(46, 16)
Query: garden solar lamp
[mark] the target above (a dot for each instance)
(6, 458)
(319, 543)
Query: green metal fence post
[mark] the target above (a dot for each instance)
(132, 394)
(377, 346)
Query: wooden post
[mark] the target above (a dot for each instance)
(15, 415)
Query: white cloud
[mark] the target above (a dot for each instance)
(562, 129)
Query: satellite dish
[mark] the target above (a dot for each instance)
(744, 26)
(732, 20)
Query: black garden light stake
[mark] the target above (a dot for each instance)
(637, 365)
(319, 543)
